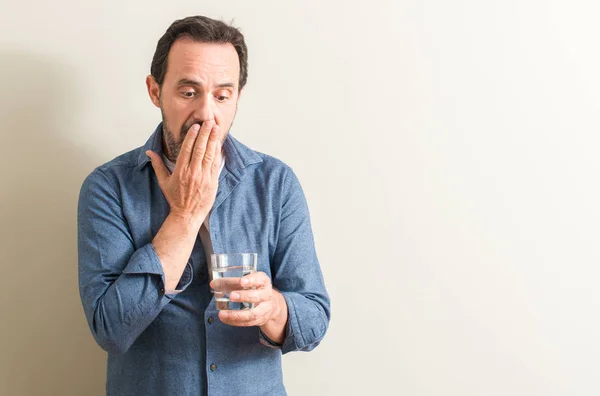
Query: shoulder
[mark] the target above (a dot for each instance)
(273, 176)
(111, 173)
(268, 167)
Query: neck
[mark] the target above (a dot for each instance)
(167, 151)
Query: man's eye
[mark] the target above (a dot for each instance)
(188, 94)
(221, 98)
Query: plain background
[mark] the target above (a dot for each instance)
(448, 151)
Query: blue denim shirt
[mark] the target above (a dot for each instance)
(175, 344)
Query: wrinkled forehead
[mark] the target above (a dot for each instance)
(209, 63)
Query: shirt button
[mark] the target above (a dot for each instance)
(213, 367)
(162, 291)
(211, 320)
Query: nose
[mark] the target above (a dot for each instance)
(205, 109)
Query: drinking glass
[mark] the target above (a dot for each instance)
(227, 270)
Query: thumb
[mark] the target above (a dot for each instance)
(162, 173)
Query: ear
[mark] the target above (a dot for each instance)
(153, 90)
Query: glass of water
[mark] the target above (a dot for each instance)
(227, 269)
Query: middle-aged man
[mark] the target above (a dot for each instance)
(148, 219)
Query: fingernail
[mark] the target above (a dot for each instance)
(245, 281)
(234, 295)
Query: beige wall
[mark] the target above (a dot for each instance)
(448, 150)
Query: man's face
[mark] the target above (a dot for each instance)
(201, 84)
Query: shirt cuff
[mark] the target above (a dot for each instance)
(145, 261)
(306, 324)
(266, 341)
(184, 281)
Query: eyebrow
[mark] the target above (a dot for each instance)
(187, 81)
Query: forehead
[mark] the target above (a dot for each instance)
(193, 59)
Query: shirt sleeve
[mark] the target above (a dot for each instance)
(122, 288)
(296, 273)
(266, 341)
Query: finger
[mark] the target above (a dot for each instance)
(224, 132)
(186, 148)
(162, 173)
(243, 318)
(255, 279)
(252, 295)
(200, 146)
(217, 118)
(225, 285)
(211, 149)
(216, 165)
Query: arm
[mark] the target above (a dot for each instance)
(123, 289)
(297, 273)
(293, 309)
(173, 244)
